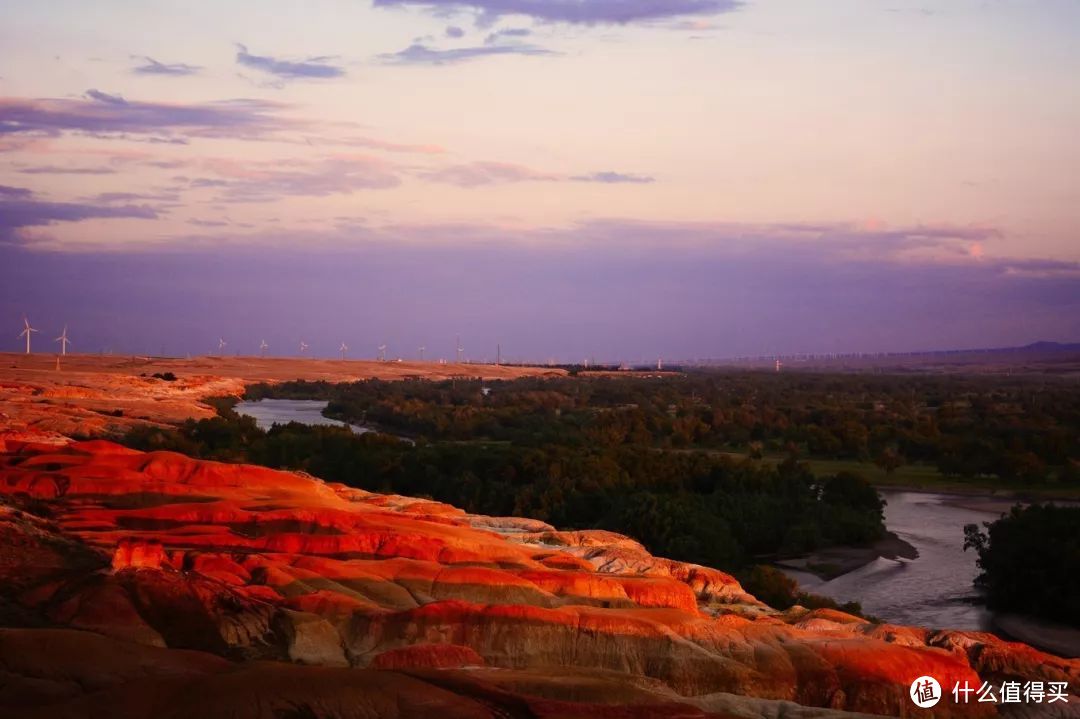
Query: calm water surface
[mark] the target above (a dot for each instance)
(267, 412)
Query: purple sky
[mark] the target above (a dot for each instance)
(620, 179)
(616, 295)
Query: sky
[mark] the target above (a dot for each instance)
(617, 179)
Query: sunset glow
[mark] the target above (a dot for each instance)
(919, 148)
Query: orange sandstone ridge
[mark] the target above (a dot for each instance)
(150, 584)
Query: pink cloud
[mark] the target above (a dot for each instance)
(265, 181)
(476, 174)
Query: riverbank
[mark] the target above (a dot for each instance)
(834, 562)
(831, 563)
(1050, 637)
(982, 499)
(934, 590)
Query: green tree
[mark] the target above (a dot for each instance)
(1030, 561)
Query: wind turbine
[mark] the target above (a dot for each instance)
(460, 349)
(344, 349)
(64, 341)
(262, 348)
(422, 353)
(221, 346)
(303, 347)
(382, 353)
(27, 329)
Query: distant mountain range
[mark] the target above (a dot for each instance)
(1044, 346)
(1041, 356)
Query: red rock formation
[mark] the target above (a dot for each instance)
(428, 656)
(136, 554)
(165, 553)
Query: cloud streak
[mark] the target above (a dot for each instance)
(578, 12)
(59, 170)
(799, 241)
(511, 32)
(387, 146)
(112, 197)
(264, 182)
(317, 68)
(477, 174)
(9, 192)
(104, 114)
(19, 209)
(421, 54)
(150, 66)
(615, 178)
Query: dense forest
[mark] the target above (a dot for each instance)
(1030, 561)
(1018, 431)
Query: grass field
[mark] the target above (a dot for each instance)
(922, 476)
(928, 478)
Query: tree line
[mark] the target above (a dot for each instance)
(985, 429)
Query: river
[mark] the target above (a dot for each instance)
(934, 590)
(267, 412)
